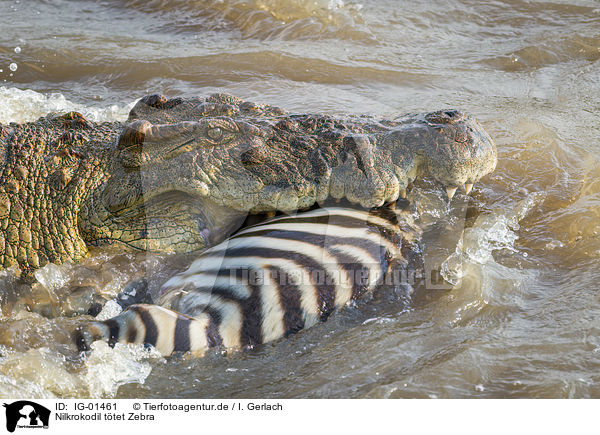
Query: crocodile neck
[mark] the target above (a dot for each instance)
(48, 168)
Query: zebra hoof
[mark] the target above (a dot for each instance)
(135, 292)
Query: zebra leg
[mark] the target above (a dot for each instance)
(167, 330)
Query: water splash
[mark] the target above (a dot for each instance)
(476, 272)
(41, 373)
(18, 105)
(44, 373)
(109, 310)
(11, 387)
(490, 233)
(109, 368)
(53, 276)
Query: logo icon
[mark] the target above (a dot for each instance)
(26, 414)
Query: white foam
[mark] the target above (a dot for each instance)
(109, 310)
(45, 373)
(109, 368)
(24, 105)
(41, 373)
(11, 387)
(52, 276)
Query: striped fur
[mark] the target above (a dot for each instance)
(268, 281)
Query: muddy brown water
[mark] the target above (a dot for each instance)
(524, 318)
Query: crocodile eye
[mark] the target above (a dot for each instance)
(215, 133)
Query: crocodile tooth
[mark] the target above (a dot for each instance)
(450, 191)
(403, 194)
(270, 214)
(468, 187)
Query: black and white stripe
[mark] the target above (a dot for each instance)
(268, 281)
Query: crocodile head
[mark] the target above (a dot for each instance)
(181, 174)
(186, 172)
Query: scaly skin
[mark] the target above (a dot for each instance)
(182, 174)
(49, 166)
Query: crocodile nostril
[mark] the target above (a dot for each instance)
(444, 117)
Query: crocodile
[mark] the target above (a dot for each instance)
(181, 174)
